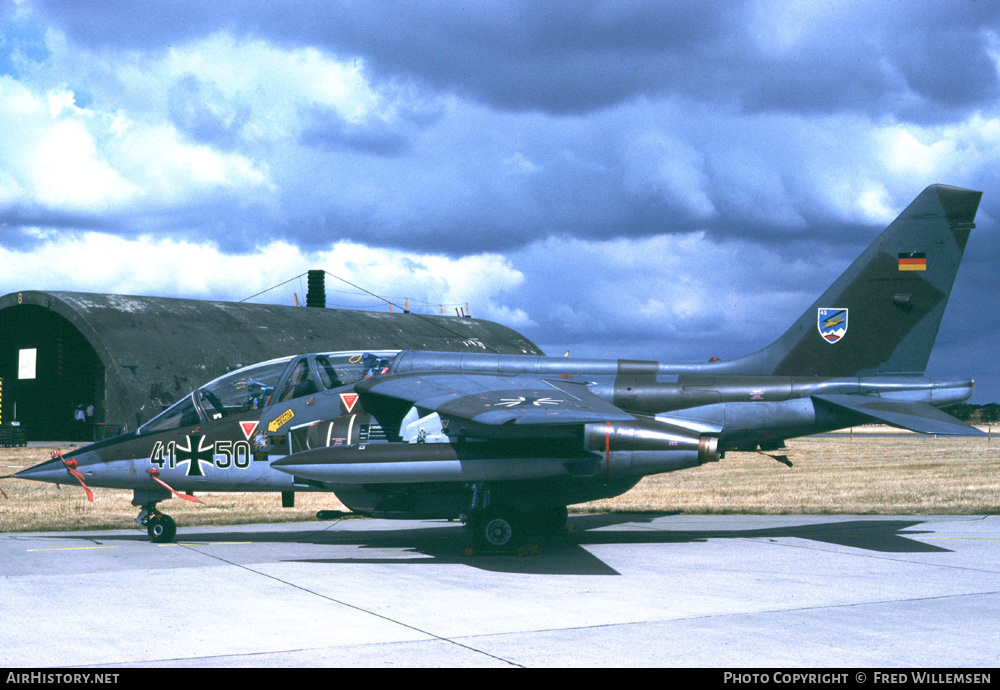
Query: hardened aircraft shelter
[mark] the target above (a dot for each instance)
(80, 366)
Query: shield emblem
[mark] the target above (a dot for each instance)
(832, 323)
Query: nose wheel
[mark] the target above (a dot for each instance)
(161, 528)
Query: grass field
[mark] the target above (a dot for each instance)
(881, 474)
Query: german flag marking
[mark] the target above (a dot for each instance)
(913, 261)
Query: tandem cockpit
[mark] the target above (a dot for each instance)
(275, 381)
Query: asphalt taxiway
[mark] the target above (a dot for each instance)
(621, 590)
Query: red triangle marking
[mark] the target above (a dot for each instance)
(248, 428)
(349, 400)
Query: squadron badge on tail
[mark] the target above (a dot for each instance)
(832, 323)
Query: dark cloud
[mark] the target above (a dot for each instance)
(20, 222)
(324, 128)
(120, 24)
(200, 110)
(230, 221)
(917, 58)
(949, 68)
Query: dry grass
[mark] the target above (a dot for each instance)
(889, 475)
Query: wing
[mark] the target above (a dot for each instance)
(492, 406)
(915, 416)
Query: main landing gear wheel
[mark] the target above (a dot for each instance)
(161, 529)
(494, 531)
(498, 532)
(512, 529)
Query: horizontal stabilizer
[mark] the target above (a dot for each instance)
(915, 416)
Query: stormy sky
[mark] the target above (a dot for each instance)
(657, 180)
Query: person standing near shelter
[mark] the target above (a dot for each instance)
(80, 415)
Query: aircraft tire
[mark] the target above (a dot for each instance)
(495, 531)
(161, 529)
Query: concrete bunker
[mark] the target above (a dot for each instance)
(119, 360)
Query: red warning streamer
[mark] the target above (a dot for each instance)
(71, 466)
(154, 472)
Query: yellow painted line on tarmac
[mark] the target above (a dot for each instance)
(74, 548)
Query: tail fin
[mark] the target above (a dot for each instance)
(882, 315)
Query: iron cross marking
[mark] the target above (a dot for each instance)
(194, 454)
(537, 402)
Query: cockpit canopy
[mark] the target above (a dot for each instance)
(252, 387)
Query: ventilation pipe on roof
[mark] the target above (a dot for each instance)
(316, 296)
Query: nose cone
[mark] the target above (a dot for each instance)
(52, 471)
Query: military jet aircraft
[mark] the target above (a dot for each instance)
(507, 442)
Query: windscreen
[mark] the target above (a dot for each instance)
(331, 370)
(300, 382)
(244, 389)
(238, 391)
(337, 370)
(181, 413)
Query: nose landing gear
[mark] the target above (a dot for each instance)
(161, 528)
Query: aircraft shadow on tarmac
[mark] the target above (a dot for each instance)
(565, 555)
